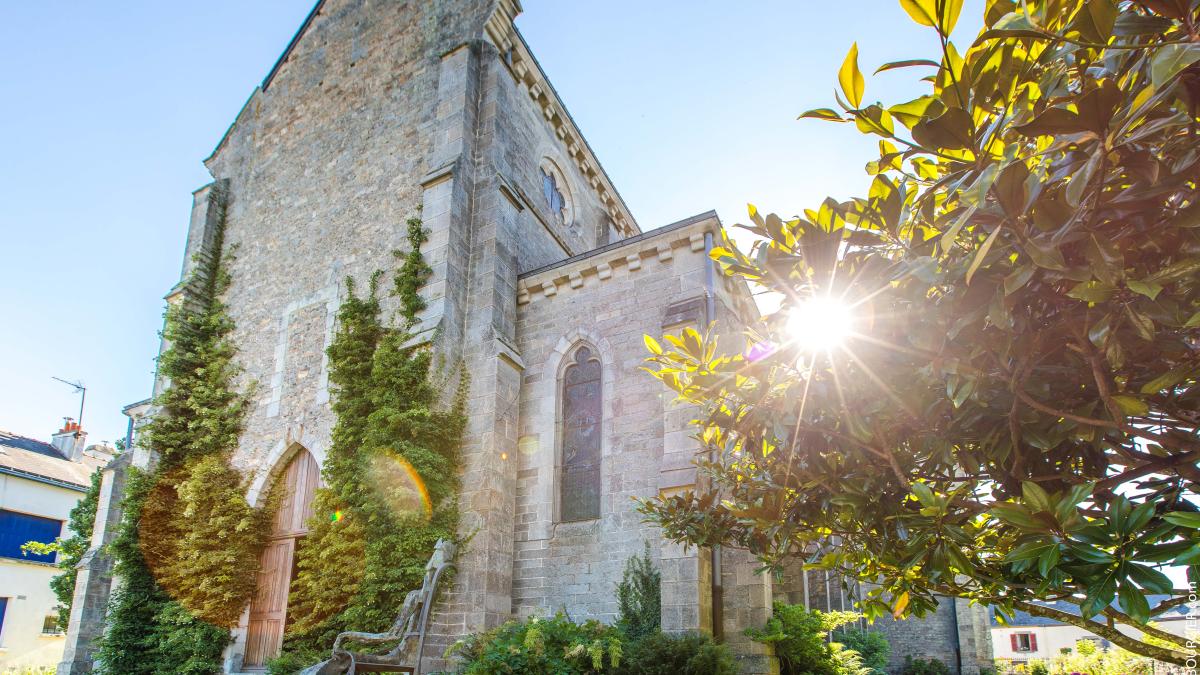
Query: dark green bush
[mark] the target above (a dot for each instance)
(872, 646)
(540, 646)
(639, 597)
(689, 654)
(924, 667)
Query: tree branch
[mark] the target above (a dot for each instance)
(1114, 614)
(1103, 630)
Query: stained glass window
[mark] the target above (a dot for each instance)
(580, 432)
(554, 196)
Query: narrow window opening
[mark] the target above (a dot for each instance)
(579, 485)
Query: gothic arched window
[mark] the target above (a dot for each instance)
(579, 484)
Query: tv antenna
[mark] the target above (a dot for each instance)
(79, 389)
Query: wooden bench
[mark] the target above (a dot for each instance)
(412, 621)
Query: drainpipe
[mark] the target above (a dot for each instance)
(710, 315)
(957, 637)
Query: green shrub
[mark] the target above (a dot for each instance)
(639, 597)
(540, 646)
(689, 654)
(798, 636)
(847, 661)
(871, 645)
(1038, 667)
(924, 667)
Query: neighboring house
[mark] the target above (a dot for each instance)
(39, 485)
(1027, 638)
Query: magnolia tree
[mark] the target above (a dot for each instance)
(1011, 415)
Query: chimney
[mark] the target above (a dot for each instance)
(70, 440)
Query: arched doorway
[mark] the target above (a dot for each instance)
(276, 566)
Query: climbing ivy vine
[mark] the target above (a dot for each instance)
(390, 479)
(187, 535)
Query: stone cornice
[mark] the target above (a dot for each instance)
(525, 69)
(651, 248)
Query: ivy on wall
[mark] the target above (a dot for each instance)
(390, 479)
(187, 535)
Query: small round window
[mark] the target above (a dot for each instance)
(557, 193)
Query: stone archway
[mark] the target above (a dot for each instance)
(268, 608)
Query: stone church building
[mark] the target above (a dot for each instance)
(543, 285)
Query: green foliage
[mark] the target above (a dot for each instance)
(1012, 418)
(540, 646)
(129, 645)
(798, 636)
(187, 535)
(846, 661)
(1037, 667)
(70, 549)
(639, 597)
(871, 645)
(924, 667)
(1091, 659)
(390, 480)
(657, 653)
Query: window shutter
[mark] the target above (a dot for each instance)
(1013, 638)
(18, 528)
(1032, 642)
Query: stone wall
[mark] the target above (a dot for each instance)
(607, 300)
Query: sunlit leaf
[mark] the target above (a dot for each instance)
(983, 251)
(1170, 60)
(851, 78)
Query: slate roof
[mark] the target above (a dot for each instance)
(1022, 618)
(38, 460)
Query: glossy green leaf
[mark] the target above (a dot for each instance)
(1183, 519)
(1170, 60)
(1149, 578)
(1133, 602)
(1148, 289)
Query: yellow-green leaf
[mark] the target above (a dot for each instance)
(949, 16)
(851, 78)
(1131, 405)
(652, 344)
(921, 11)
(821, 114)
(983, 251)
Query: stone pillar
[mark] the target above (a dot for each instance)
(687, 589)
(748, 594)
(473, 293)
(974, 636)
(93, 581)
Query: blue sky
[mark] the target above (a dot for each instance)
(109, 108)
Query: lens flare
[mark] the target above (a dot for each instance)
(820, 323)
(400, 484)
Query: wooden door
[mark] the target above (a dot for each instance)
(276, 568)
